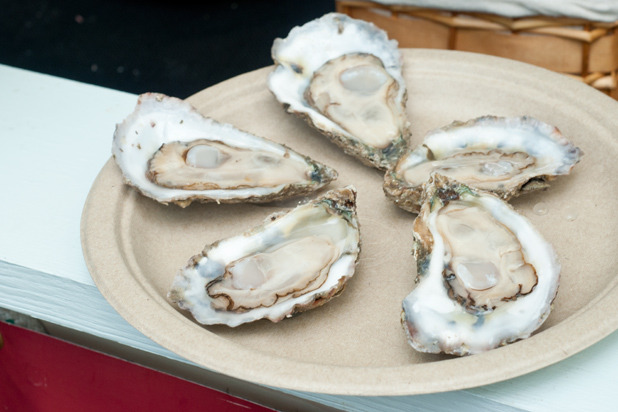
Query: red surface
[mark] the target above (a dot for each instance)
(42, 373)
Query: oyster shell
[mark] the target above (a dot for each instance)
(172, 153)
(290, 264)
(506, 156)
(344, 77)
(486, 277)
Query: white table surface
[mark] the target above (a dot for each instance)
(56, 136)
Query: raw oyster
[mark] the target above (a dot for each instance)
(172, 153)
(486, 277)
(292, 263)
(344, 77)
(506, 156)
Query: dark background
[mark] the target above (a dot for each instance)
(176, 47)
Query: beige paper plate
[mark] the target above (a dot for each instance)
(355, 345)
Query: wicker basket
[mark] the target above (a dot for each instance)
(579, 48)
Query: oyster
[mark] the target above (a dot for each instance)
(172, 153)
(486, 277)
(292, 263)
(344, 77)
(506, 156)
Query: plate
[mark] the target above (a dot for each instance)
(355, 345)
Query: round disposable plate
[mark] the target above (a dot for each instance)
(355, 344)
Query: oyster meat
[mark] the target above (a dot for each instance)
(486, 277)
(344, 77)
(172, 153)
(292, 263)
(506, 156)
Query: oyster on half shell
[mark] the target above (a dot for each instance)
(344, 77)
(486, 277)
(291, 263)
(172, 153)
(505, 156)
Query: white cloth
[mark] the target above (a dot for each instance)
(592, 10)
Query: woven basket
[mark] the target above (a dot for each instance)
(579, 48)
